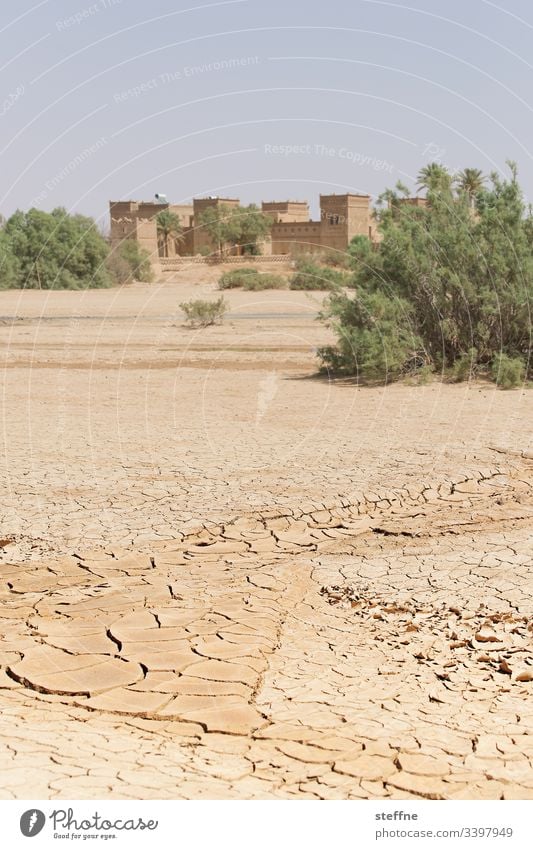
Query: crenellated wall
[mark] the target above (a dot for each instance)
(342, 217)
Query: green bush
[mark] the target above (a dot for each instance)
(508, 372)
(265, 281)
(466, 278)
(204, 313)
(464, 367)
(9, 268)
(310, 275)
(251, 280)
(421, 375)
(236, 278)
(359, 252)
(375, 339)
(53, 250)
(129, 262)
(245, 226)
(335, 259)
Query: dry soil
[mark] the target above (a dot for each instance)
(225, 577)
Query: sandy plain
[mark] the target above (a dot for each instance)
(224, 577)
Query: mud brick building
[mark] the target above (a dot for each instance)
(293, 231)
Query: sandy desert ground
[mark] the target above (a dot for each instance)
(224, 577)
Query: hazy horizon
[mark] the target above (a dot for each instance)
(115, 99)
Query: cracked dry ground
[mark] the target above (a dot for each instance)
(364, 632)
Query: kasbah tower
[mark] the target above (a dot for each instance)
(342, 216)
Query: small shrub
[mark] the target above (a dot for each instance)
(204, 313)
(336, 259)
(332, 360)
(420, 376)
(236, 278)
(465, 367)
(508, 372)
(251, 280)
(265, 281)
(311, 276)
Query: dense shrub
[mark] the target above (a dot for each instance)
(310, 275)
(335, 259)
(464, 272)
(52, 250)
(508, 372)
(375, 337)
(9, 267)
(359, 252)
(236, 278)
(464, 367)
(204, 313)
(265, 281)
(251, 279)
(55, 250)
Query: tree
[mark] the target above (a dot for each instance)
(169, 227)
(391, 197)
(463, 284)
(57, 250)
(434, 177)
(471, 181)
(243, 226)
(220, 225)
(9, 267)
(252, 226)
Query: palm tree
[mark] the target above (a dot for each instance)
(391, 197)
(168, 227)
(471, 181)
(434, 177)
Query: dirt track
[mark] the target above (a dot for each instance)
(223, 577)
